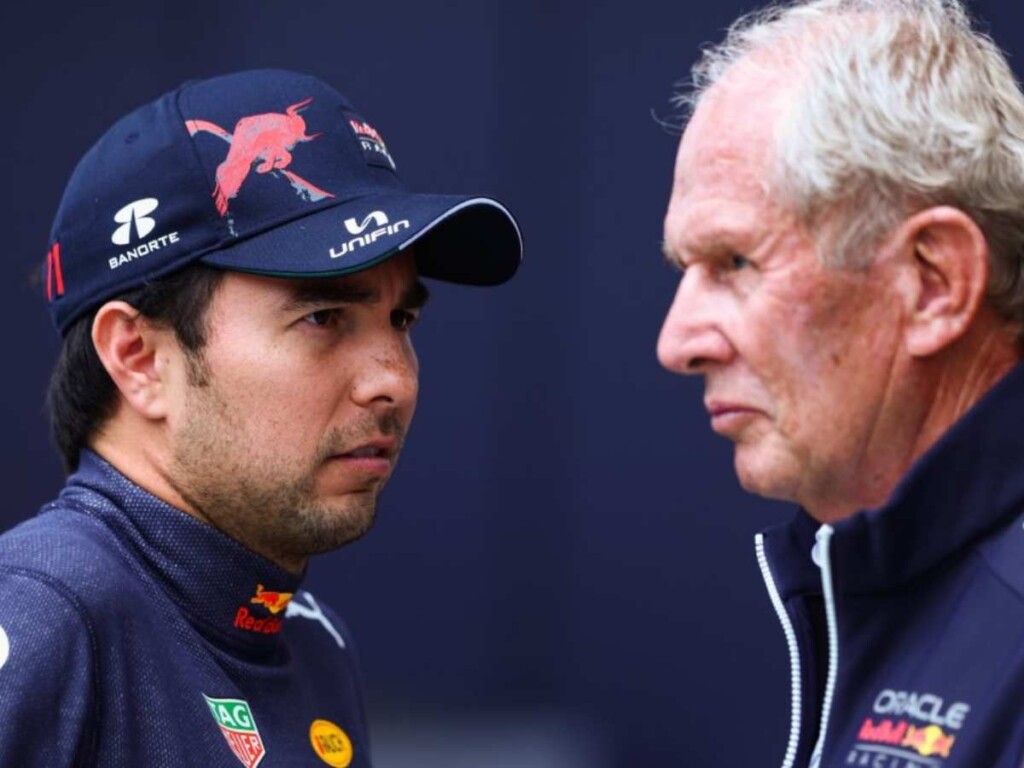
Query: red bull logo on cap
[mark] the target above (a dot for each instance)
(372, 143)
(263, 143)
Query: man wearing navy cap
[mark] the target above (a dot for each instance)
(848, 213)
(234, 270)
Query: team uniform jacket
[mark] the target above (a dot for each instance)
(905, 624)
(132, 634)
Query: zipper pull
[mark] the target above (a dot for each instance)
(821, 542)
(822, 557)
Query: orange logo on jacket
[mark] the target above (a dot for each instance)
(928, 741)
(275, 602)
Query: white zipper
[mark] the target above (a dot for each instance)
(794, 652)
(824, 561)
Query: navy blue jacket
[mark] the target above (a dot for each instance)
(906, 623)
(131, 634)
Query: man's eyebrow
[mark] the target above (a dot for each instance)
(673, 258)
(415, 297)
(314, 293)
(710, 240)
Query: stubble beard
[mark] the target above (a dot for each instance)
(266, 502)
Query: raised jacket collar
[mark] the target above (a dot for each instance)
(968, 484)
(228, 592)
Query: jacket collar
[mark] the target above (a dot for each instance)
(968, 484)
(226, 590)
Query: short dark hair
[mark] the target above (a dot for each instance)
(81, 395)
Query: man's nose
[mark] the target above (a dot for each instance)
(691, 338)
(388, 378)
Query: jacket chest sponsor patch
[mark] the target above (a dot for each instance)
(239, 728)
(908, 729)
(331, 743)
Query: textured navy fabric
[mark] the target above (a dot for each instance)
(121, 616)
(929, 606)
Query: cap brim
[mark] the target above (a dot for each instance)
(459, 239)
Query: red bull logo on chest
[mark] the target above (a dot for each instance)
(892, 734)
(273, 603)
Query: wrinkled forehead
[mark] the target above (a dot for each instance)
(730, 137)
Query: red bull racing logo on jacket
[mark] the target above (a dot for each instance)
(264, 144)
(275, 602)
(908, 729)
(272, 603)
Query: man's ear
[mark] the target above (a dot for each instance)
(128, 345)
(949, 271)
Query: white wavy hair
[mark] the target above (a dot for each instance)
(898, 105)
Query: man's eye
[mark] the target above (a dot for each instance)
(402, 319)
(736, 261)
(321, 317)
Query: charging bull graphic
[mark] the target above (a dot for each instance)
(266, 139)
(275, 602)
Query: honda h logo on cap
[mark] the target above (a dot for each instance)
(377, 218)
(136, 213)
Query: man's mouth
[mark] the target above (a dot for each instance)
(368, 451)
(727, 417)
(374, 456)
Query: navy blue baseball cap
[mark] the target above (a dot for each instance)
(268, 171)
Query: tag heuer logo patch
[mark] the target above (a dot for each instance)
(239, 728)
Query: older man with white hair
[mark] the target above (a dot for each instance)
(847, 210)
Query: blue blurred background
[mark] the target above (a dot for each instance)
(562, 573)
